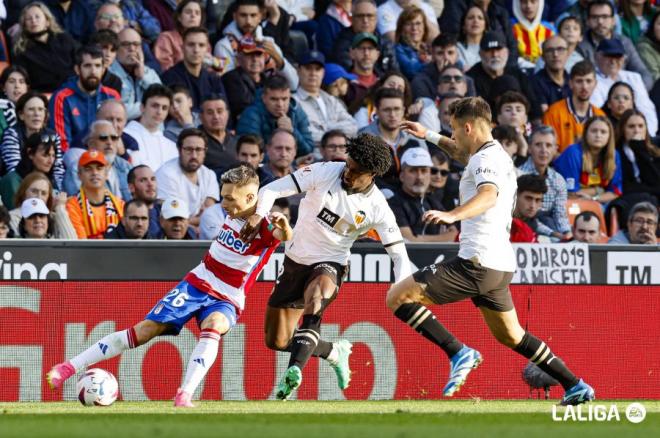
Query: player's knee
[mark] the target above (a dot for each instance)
(509, 338)
(277, 343)
(395, 298)
(147, 330)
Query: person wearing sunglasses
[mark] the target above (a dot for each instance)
(443, 187)
(103, 138)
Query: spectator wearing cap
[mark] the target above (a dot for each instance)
(144, 187)
(492, 76)
(336, 80)
(35, 220)
(243, 82)
(134, 223)
(94, 210)
(363, 19)
(642, 226)
(334, 146)
(274, 109)
(186, 178)
(191, 71)
(364, 54)
(221, 153)
(174, 221)
(389, 12)
(601, 26)
(103, 138)
(323, 111)
(610, 60)
(413, 199)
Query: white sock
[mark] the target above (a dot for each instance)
(108, 347)
(333, 357)
(201, 359)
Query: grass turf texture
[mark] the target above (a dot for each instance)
(271, 419)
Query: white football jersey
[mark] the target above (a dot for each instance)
(486, 236)
(330, 219)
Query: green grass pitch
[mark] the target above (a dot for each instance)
(327, 419)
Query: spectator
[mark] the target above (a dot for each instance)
(620, 98)
(221, 153)
(444, 117)
(282, 205)
(75, 16)
(365, 113)
(174, 221)
(592, 168)
(37, 185)
(636, 18)
(333, 145)
(513, 143)
(280, 153)
(389, 12)
(323, 111)
(530, 31)
(363, 20)
(191, 72)
(135, 76)
(413, 199)
(5, 231)
(181, 114)
(153, 148)
(250, 149)
(74, 104)
(273, 110)
(551, 82)
(411, 37)
(35, 220)
(443, 187)
(649, 47)
(137, 17)
(364, 54)
(38, 155)
(529, 198)
(642, 226)
(243, 82)
(134, 223)
(186, 178)
(114, 111)
(610, 58)
(94, 210)
(600, 27)
(640, 158)
(570, 29)
(168, 48)
(512, 108)
(491, 75)
(32, 110)
(567, 116)
(108, 41)
(553, 221)
(43, 49)
(14, 83)
(586, 227)
(102, 138)
(144, 187)
(337, 17)
(246, 25)
(473, 27)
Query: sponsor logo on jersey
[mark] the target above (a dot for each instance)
(229, 239)
(328, 217)
(485, 171)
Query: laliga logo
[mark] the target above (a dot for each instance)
(635, 413)
(226, 237)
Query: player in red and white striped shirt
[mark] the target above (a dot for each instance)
(213, 292)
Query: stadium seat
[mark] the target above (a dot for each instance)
(576, 206)
(614, 221)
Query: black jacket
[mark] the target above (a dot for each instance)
(649, 170)
(409, 210)
(119, 233)
(425, 83)
(199, 87)
(241, 90)
(386, 61)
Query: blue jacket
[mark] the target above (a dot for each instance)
(569, 164)
(132, 89)
(135, 13)
(72, 110)
(327, 32)
(78, 20)
(257, 120)
(408, 60)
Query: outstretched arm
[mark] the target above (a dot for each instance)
(445, 143)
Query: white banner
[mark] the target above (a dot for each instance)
(633, 267)
(540, 263)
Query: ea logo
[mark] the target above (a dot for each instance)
(635, 412)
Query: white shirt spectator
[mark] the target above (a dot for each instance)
(173, 183)
(295, 7)
(325, 112)
(210, 221)
(642, 100)
(388, 14)
(154, 148)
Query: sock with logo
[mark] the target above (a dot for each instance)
(423, 321)
(201, 359)
(305, 341)
(538, 352)
(108, 347)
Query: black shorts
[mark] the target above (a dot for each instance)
(458, 279)
(289, 290)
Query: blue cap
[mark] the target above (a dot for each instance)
(313, 57)
(611, 47)
(334, 72)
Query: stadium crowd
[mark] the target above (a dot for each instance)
(118, 118)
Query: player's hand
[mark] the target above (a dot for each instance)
(439, 217)
(279, 220)
(251, 228)
(414, 128)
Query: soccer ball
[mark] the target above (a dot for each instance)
(97, 387)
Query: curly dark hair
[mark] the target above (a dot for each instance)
(371, 153)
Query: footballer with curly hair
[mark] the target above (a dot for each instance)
(341, 204)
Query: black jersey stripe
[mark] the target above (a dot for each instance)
(393, 243)
(295, 181)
